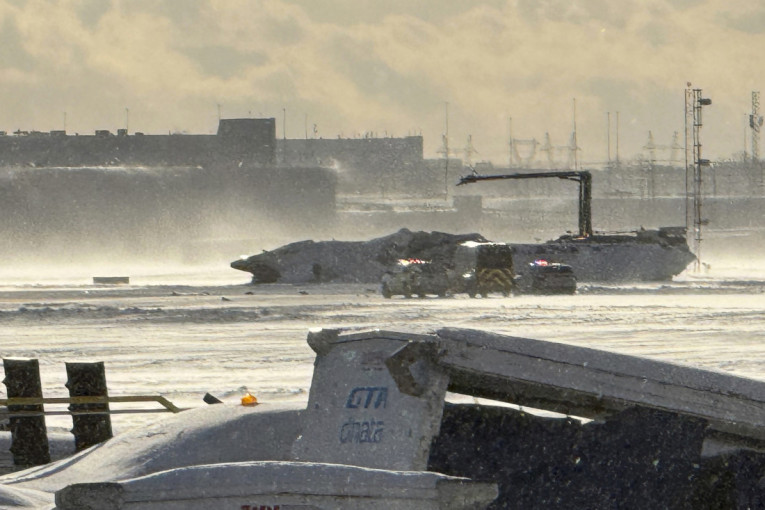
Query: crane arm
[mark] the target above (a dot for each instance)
(583, 177)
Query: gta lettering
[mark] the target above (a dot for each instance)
(363, 396)
(364, 431)
(259, 507)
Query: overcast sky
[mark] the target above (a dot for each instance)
(388, 67)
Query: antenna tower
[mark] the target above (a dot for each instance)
(510, 144)
(608, 138)
(653, 149)
(445, 149)
(530, 146)
(549, 149)
(650, 146)
(675, 150)
(755, 122)
(617, 139)
(574, 145)
(694, 163)
(469, 151)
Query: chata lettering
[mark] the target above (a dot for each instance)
(366, 431)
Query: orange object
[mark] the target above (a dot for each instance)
(249, 400)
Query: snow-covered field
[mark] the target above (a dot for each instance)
(181, 334)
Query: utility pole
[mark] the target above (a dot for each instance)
(469, 151)
(127, 120)
(755, 122)
(511, 145)
(617, 138)
(608, 138)
(688, 158)
(575, 144)
(650, 146)
(446, 149)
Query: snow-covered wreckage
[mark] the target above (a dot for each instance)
(378, 432)
(349, 261)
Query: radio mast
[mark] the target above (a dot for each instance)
(445, 149)
(608, 139)
(693, 176)
(574, 143)
(755, 122)
(469, 150)
(510, 144)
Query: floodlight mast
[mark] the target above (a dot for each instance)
(694, 103)
(583, 177)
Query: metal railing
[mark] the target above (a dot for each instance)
(167, 406)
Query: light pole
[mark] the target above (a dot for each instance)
(696, 102)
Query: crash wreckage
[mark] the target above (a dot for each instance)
(350, 261)
(412, 263)
(642, 255)
(646, 255)
(378, 432)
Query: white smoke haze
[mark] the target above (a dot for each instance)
(188, 324)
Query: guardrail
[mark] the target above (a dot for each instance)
(21, 401)
(88, 404)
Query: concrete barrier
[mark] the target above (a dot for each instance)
(280, 486)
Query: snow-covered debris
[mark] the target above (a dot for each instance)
(207, 435)
(306, 485)
(349, 261)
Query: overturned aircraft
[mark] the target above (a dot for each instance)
(646, 255)
(349, 261)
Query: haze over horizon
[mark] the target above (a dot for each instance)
(350, 67)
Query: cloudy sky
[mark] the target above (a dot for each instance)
(387, 67)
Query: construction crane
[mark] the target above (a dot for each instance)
(583, 177)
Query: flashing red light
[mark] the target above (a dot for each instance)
(409, 261)
(541, 262)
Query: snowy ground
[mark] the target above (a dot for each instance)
(181, 334)
(218, 334)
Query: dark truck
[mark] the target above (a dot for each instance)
(416, 277)
(543, 277)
